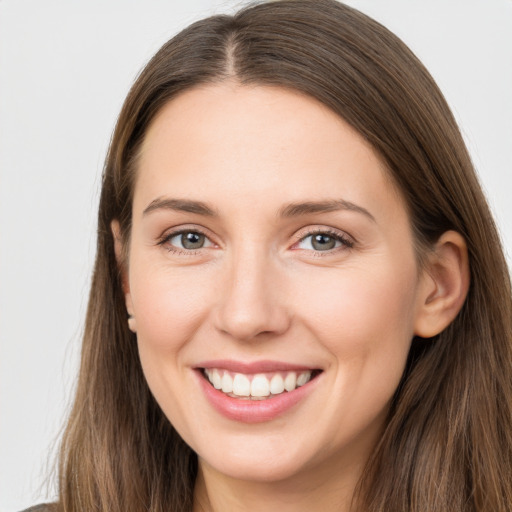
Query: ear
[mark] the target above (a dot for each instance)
(444, 286)
(121, 264)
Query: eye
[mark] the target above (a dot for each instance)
(323, 241)
(187, 240)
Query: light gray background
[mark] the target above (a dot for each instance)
(65, 67)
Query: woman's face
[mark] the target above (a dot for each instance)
(271, 256)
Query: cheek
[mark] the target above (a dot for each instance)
(169, 306)
(356, 303)
(365, 319)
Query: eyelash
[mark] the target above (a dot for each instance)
(346, 242)
(177, 250)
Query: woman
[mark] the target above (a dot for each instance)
(299, 299)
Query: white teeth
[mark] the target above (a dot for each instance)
(241, 385)
(257, 387)
(277, 384)
(303, 378)
(290, 381)
(216, 379)
(227, 383)
(260, 386)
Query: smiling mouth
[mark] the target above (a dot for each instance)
(259, 386)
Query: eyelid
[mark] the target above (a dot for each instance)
(346, 240)
(170, 233)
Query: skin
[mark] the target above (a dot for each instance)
(258, 289)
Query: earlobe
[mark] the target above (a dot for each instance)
(121, 263)
(132, 324)
(444, 286)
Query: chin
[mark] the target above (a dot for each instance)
(257, 471)
(266, 461)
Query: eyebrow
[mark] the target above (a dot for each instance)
(290, 210)
(333, 205)
(180, 205)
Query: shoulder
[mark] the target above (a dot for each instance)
(46, 507)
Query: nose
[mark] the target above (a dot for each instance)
(252, 300)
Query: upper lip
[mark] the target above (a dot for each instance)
(264, 366)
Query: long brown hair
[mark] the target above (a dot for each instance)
(447, 445)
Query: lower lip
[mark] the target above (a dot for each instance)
(253, 411)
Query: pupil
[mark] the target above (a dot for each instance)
(323, 242)
(192, 240)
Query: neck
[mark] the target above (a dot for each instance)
(321, 488)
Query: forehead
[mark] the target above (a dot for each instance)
(239, 116)
(226, 140)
